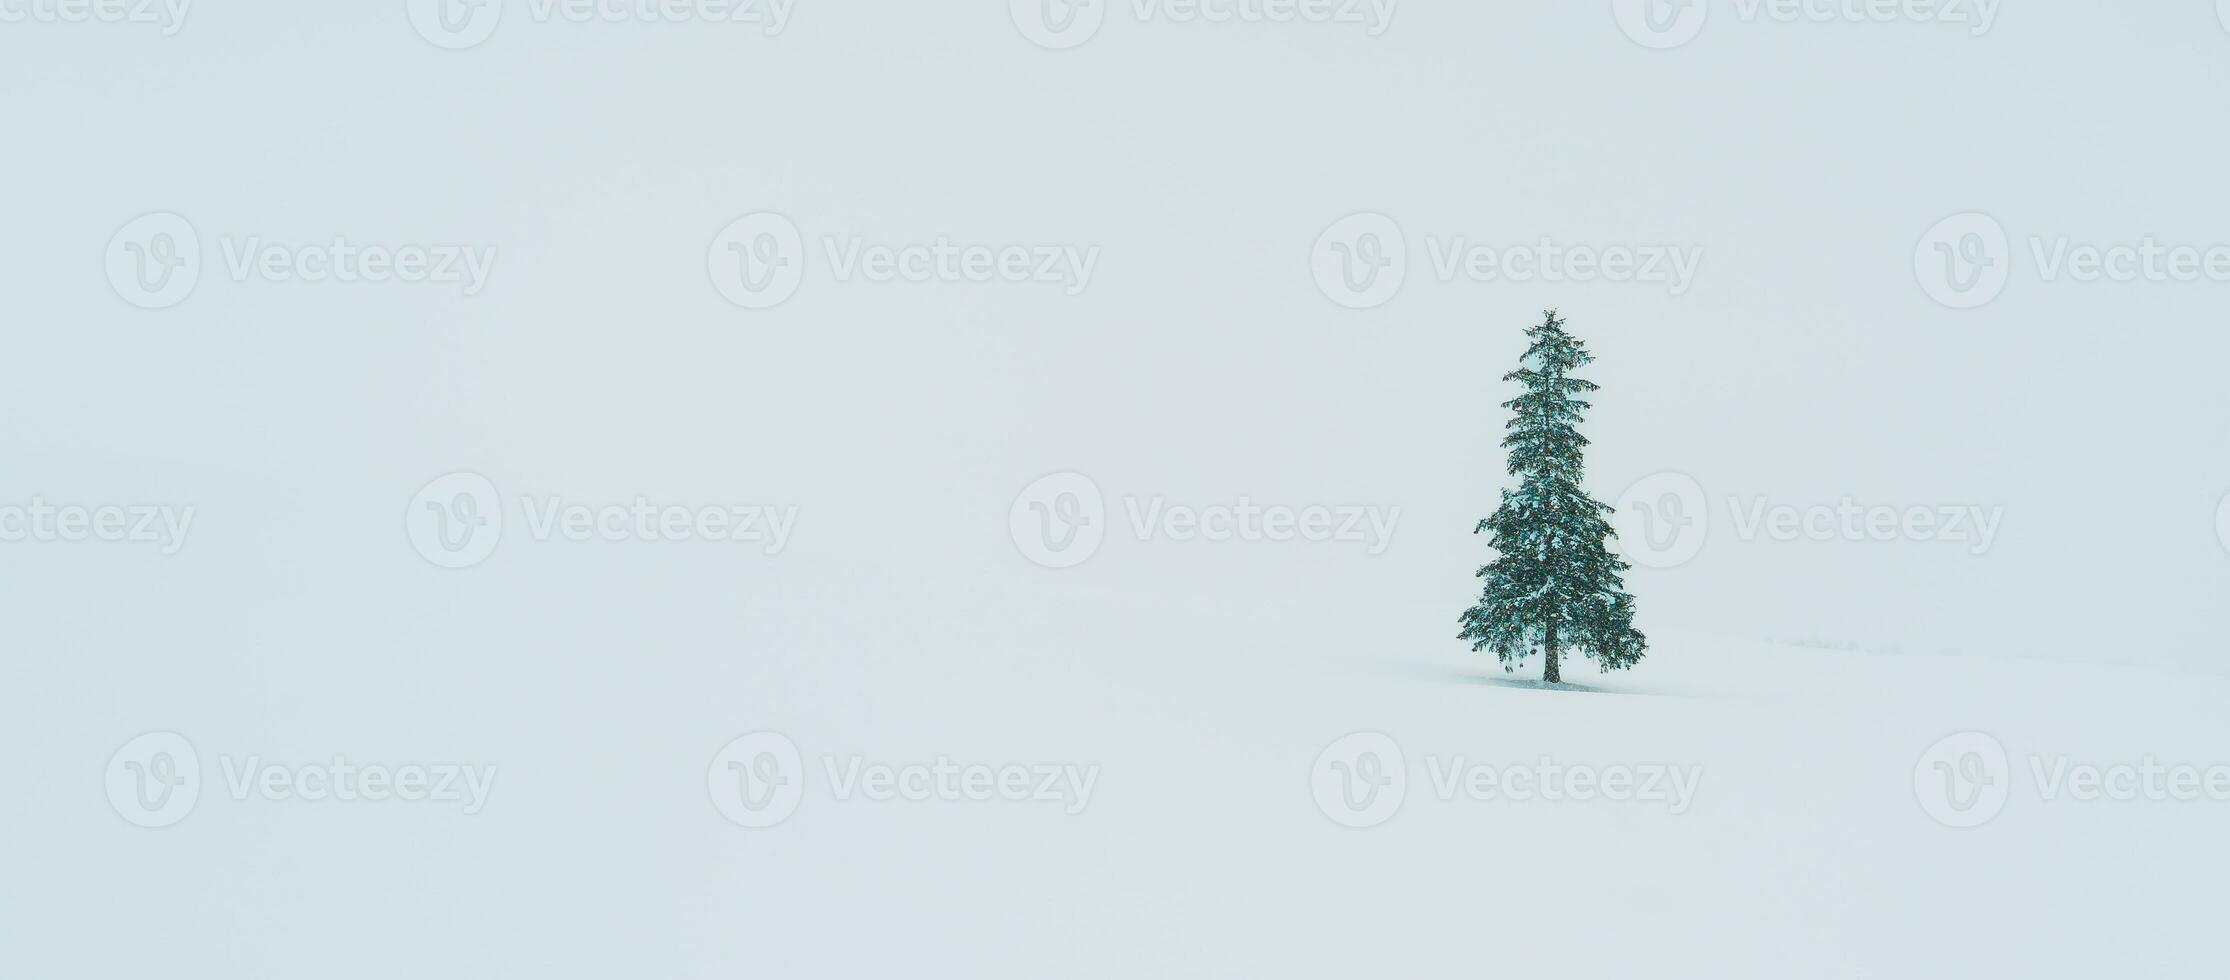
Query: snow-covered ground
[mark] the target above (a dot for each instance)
(1765, 821)
(1894, 357)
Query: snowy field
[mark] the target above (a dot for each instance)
(865, 489)
(1785, 834)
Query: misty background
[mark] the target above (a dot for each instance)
(1805, 365)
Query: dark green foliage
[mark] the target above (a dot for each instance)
(1553, 583)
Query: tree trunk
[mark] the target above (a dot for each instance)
(1548, 671)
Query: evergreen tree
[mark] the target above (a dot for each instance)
(1553, 582)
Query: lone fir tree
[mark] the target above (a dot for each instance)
(1553, 583)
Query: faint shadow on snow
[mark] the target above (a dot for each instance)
(1529, 683)
(1513, 682)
